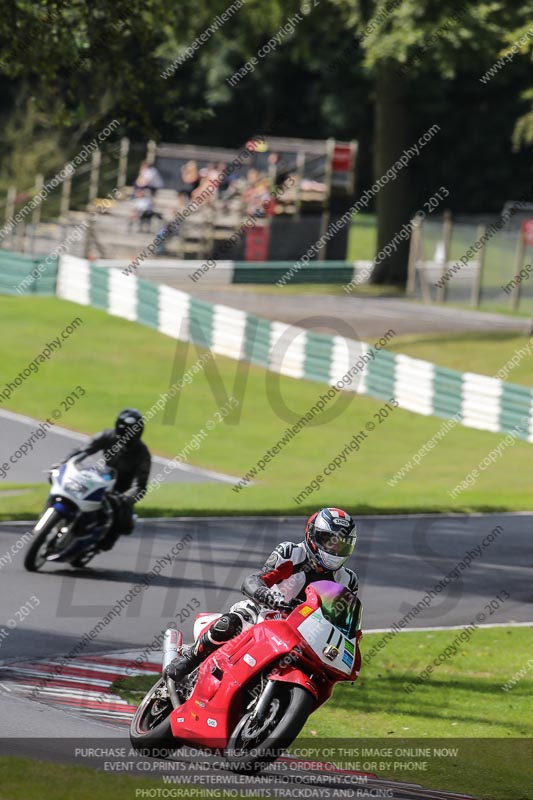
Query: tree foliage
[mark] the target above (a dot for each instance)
(424, 40)
(380, 71)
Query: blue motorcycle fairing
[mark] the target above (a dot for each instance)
(86, 538)
(65, 507)
(98, 494)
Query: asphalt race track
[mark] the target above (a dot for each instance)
(399, 560)
(15, 429)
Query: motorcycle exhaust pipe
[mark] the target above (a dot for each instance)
(172, 642)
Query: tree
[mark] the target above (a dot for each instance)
(404, 42)
(85, 62)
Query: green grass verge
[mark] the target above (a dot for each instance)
(362, 239)
(26, 779)
(134, 688)
(121, 363)
(462, 700)
(484, 353)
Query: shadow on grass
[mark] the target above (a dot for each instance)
(463, 699)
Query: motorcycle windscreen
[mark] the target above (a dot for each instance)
(339, 606)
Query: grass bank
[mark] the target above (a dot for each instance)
(120, 363)
(461, 707)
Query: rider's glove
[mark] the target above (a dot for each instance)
(286, 606)
(275, 600)
(267, 598)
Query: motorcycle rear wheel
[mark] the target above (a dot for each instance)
(35, 558)
(256, 743)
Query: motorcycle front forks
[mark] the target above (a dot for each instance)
(264, 700)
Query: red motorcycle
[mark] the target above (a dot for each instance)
(252, 696)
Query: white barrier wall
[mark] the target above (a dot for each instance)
(418, 386)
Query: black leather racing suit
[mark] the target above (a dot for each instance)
(132, 461)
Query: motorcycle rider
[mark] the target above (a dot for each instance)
(124, 451)
(330, 537)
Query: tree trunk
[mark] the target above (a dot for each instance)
(393, 201)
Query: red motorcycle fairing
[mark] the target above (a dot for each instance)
(211, 713)
(297, 678)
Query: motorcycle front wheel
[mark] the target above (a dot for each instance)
(256, 742)
(150, 730)
(36, 554)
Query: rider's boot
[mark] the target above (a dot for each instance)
(221, 631)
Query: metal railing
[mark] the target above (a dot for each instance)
(487, 264)
(107, 169)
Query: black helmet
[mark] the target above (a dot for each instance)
(129, 425)
(330, 537)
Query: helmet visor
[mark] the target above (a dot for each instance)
(332, 543)
(127, 422)
(130, 426)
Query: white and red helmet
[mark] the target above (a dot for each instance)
(330, 537)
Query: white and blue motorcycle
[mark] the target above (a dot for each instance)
(77, 517)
